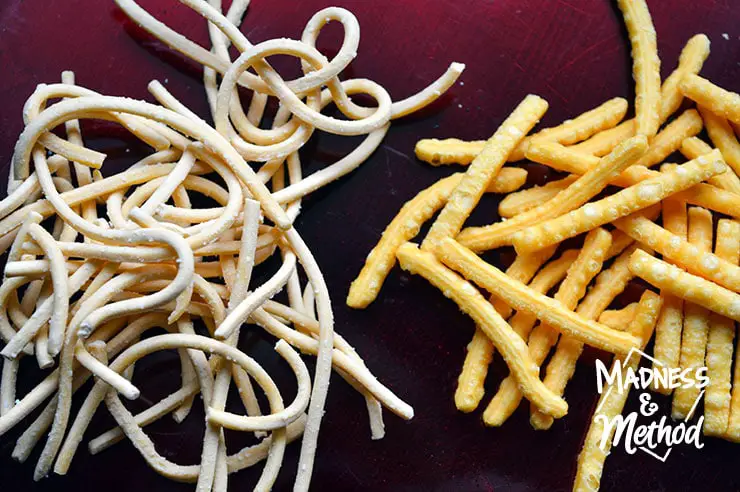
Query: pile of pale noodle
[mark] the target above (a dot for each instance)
(79, 299)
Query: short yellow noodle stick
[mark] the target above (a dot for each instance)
(448, 151)
(696, 321)
(406, 225)
(733, 428)
(619, 318)
(608, 285)
(456, 151)
(611, 403)
(661, 145)
(511, 346)
(621, 204)
(685, 285)
(621, 241)
(578, 193)
(543, 337)
(645, 65)
(694, 147)
(669, 140)
(692, 58)
(604, 142)
(483, 170)
(675, 248)
(690, 61)
(568, 160)
(551, 274)
(522, 322)
(520, 201)
(523, 269)
(604, 116)
(717, 399)
(723, 137)
(479, 353)
(670, 324)
(522, 298)
(722, 102)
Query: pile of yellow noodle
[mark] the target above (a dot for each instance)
(541, 337)
(80, 294)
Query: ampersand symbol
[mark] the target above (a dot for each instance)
(647, 407)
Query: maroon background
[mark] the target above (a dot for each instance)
(573, 53)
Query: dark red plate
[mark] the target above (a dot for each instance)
(573, 53)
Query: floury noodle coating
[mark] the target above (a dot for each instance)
(81, 295)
